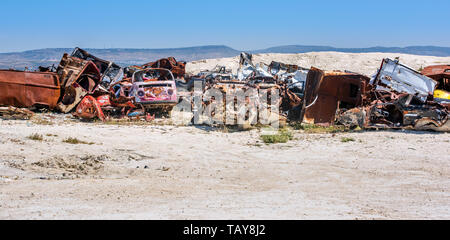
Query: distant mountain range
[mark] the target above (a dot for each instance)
(126, 57)
(416, 50)
(121, 56)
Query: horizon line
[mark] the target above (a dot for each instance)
(220, 45)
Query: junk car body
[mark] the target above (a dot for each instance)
(326, 93)
(178, 69)
(393, 76)
(399, 97)
(110, 72)
(441, 74)
(29, 89)
(154, 88)
(78, 78)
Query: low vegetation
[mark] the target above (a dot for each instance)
(41, 121)
(158, 122)
(36, 137)
(346, 139)
(71, 140)
(283, 136)
(311, 128)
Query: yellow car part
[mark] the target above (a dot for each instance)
(441, 94)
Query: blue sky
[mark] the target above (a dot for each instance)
(243, 25)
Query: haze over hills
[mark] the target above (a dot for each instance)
(126, 57)
(122, 56)
(415, 50)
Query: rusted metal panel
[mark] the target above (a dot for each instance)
(315, 76)
(440, 73)
(436, 70)
(323, 112)
(178, 69)
(29, 89)
(69, 69)
(347, 87)
(78, 78)
(328, 92)
(89, 108)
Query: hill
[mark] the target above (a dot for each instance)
(415, 50)
(126, 57)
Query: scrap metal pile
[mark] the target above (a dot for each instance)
(397, 97)
(92, 88)
(226, 96)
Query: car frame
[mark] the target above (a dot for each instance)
(154, 93)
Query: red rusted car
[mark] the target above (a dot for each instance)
(29, 89)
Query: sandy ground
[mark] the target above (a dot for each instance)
(364, 63)
(170, 172)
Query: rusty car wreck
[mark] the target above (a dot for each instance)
(441, 74)
(78, 78)
(399, 97)
(326, 93)
(29, 89)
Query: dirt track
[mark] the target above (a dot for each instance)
(169, 172)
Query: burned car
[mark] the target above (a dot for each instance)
(399, 97)
(178, 69)
(393, 76)
(29, 89)
(249, 72)
(328, 92)
(154, 88)
(78, 78)
(441, 74)
(293, 75)
(219, 73)
(407, 110)
(110, 72)
(245, 98)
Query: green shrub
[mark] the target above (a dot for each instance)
(345, 139)
(283, 136)
(76, 141)
(36, 137)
